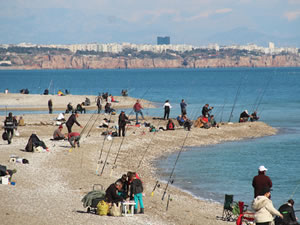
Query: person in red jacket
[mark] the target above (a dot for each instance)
(138, 110)
(261, 181)
(74, 138)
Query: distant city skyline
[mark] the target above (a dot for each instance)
(195, 22)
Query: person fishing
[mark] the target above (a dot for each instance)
(288, 212)
(244, 116)
(72, 119)
(10, 124)
(122, 123)
(183, 106)
(138, 110)
(260, 181)
(99, 103)
(206, 110)
(167, 106)
(74, 138)
(50, 106)
(264, 209)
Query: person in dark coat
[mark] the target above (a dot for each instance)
(80, 108)
(244, 116)
(111, 193)
(72, 119)
(288, 212)
(136, 192)
(10, 124)
(261, 181)
(34, 141)
(69, 108)
(122, 123)
(50, 106)
(205, 110)
(183, 106)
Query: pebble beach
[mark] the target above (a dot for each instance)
(49, 189)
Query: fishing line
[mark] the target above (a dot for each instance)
(105, 162)
(171, 175)
(123, 138)
(267, 85)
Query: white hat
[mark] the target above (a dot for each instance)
(262, 168)
(246, 111)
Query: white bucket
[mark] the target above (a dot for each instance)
(5, 180)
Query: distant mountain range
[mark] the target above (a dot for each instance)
(243, 36)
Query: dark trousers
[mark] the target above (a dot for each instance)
(69, 129)
(167, 113)
(183, 111)
(50, 110)
(265, 223)
(122, 128)
(10, 134)
(99, 109)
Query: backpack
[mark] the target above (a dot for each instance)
(5, 136)
(102, 208)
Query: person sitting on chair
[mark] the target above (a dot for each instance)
(254, 117)
(87, 102)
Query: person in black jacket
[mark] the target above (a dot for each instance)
(288, 213)
(111, 193)
(136, 191)
(122, 123)
(10, 124)
(205, 110)
(50, 106)
(72, 119)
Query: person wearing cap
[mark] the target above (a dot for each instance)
(58, 135)
(244, 116)
(122, 123)
(288, 212)
(264, 209)
(260, 181)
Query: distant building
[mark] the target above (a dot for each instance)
(163, 40)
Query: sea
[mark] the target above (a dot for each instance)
(207, 172)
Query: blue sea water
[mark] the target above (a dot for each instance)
(206, 172)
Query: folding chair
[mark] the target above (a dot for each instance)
(245, 217)
(230, 209)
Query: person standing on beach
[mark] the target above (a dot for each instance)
(10, 124)
(183, 106)
(264, 209)
(261, 181)
(122, 123)
(167, 106)
(205, 111)
(99, 103)
(72, 119)
(50, 106)
(138, 110)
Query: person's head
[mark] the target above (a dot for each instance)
(10, 114)
(212, 116)
(76, 114)
(262, 169)
(167, 100)
(124, 177)
(138, 101)
(291, 201)
(60, 127)
(119, 185)
(206, 105)
(122, 112)
(266, 191)
(182, 100)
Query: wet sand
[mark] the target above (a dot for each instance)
(49, 189)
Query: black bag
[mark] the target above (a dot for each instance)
(5, 136)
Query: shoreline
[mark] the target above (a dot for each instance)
(64, 177)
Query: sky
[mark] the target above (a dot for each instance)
(195, 22)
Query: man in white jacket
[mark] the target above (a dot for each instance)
(264, 209)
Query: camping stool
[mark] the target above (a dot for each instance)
(128, 206)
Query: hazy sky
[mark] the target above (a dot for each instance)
(140, 21)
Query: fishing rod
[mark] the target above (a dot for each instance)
(120, 144)
(146, 150)
(221, 119)
(123, 138)
(235, 99)
(295, 190)
(105, 162)
(93, 123)
(171, 175)
(100, 155)
(261, 98)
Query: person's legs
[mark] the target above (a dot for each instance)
(136, 200)
(142, 114)
(69, 129)
(72, 140)
(10, 133)
(123, 131)
(137, 117)
(165, 114)
(120, 128)
(140, 198)
(168, 114)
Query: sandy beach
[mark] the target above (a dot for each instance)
(49, 189)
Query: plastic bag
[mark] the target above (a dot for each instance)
(102, 208)
(115, 210)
